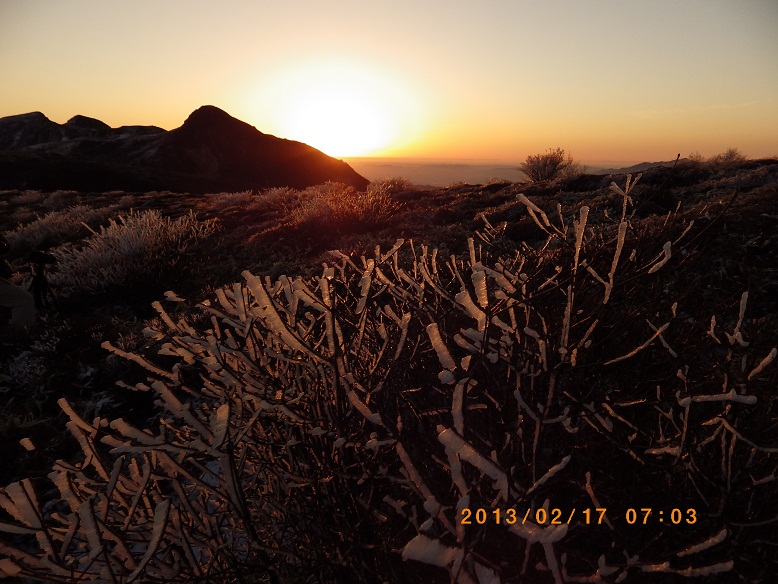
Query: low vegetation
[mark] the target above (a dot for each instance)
(550, 166)
(728, 157)
(331, 416)
(133, 247)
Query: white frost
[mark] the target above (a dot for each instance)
(666, 249)
(450, 439)
(764, 363)
(708, 543)
(731, 395)
(551, 472)
(430, 551)
(671, 450)
(444, 356)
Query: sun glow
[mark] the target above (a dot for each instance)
(340, 121)
(341, 108)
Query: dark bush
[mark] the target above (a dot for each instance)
(549, 166)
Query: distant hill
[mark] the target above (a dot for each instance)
(210, 152)
(635, 167)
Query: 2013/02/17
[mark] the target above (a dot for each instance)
(541, 516)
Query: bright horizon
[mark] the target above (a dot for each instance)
(497, 81)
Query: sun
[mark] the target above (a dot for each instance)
(338, 106)
(339, 120)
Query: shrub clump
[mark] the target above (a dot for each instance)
(133, 245)
(58, 227)
(337, 206)
(225, 201)
(390, 186)
(727, 158)
(549, 166)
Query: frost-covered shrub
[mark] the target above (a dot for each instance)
(334, 205)
(125, 202)
(59, 200)
(274, 200)
(494, 180)
(28, 198)
(58, 227)
(390, 186)
(728, 157)
(21, 215)
(695, 157)
(224, 201)
(27, 368)
(134, 245)
(314, 427)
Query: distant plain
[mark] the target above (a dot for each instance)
(435, 172)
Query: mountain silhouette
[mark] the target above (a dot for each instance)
(210, 152)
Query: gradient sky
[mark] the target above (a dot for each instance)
(497, 80)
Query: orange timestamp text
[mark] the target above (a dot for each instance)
(587, 516)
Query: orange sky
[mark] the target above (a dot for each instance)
(606, 80)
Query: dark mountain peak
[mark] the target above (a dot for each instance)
(85, 123)
(216, 146)
(208, 114)
(32, 117)
(26, 130)
(208, 121)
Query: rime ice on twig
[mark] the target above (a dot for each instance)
(549, 474)
(430, 551)
(763, 363)
(580, 229)
(658, 333)
(440, 348)
(731, 396)
(737, 336)
(667, 253)
(467, 453)
(702, 546)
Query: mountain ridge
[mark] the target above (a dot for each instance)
(210, 151)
